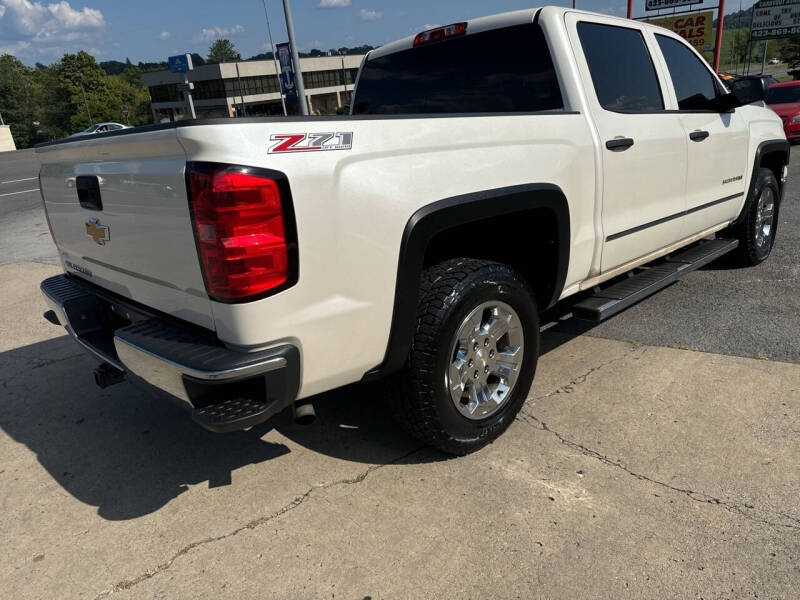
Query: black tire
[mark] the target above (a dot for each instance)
(750, 252)
(449, 292)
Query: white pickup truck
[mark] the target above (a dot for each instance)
(488, 170)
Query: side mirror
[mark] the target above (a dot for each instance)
(748, 90)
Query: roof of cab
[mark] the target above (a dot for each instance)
(517, 17)
(508, 19)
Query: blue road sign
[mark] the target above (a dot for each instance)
(180, 63)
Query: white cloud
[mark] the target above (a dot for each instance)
(69, 18)
(31, 28)
(334, 3)
(164, 35)
(15, 49)
(213, 33)
(370, 15)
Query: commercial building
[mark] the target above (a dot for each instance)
(251, 88)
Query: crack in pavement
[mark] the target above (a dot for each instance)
(748, 511)
(127, 584)
(569, 387)
(36, 363)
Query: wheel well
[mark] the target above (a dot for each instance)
(775, 161)
(526, 241)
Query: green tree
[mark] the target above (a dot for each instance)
(222, 51)
(135, 97)
(16, 100)
(81, 70)
(790, 53)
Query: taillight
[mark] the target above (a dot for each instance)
(44, 206)
(440, 33)
(244, 230)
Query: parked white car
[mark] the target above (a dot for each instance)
(489, 169)
(101, 128)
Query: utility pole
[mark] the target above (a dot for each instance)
(79, 77)
(301, 88)
(274, 58)
(718, 41)
(344, 74)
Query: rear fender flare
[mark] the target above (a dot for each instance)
(437, 217)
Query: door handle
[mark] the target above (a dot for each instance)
(698, 136)
(619, 143)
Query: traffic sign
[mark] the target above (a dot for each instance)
(180, 63)
(125, 111)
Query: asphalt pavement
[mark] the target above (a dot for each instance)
(23, 228)
(722, 308)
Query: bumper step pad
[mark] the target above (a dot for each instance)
(616, 298)
(232, 415)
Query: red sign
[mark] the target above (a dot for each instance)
(125, 111)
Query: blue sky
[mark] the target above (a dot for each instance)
(150, 30)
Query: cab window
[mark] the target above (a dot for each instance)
(621, 67)
(497, 71)
(694, 85)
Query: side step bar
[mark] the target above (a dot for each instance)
(616, 298)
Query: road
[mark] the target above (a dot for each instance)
(23, 228)
(639, 466)
(744, 312)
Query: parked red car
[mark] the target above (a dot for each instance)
(784, 99)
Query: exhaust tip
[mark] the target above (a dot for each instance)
(304, 413)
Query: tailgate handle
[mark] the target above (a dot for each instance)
(88, 188)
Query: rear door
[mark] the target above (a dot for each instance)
(718, 142)
(643, 145)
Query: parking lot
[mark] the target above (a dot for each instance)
(656, 457)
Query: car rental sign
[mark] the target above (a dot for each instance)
(695, 28)
(775, 19)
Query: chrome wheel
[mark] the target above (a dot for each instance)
(764, 216)
(485, 359)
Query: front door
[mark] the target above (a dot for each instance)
(717, 153)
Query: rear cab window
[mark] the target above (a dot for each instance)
(503, 70)
(622, 70)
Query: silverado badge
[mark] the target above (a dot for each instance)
(99, 233)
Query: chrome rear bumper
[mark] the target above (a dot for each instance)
(178, 358)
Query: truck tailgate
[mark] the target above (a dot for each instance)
(133, 235)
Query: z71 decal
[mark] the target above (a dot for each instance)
(309, 142)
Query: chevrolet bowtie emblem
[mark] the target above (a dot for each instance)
(99, 233)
